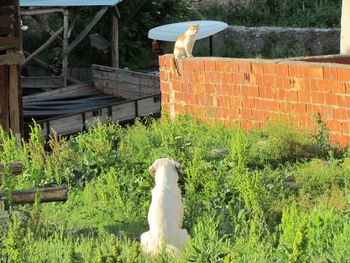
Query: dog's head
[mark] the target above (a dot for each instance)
(160, 162)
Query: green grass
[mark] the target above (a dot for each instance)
(273, 195)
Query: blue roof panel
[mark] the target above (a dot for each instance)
(47, 3)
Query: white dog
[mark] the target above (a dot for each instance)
(166, 211)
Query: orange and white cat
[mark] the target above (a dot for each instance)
(184, 44)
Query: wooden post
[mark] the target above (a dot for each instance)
(345, 32)
(65, 45)
(115, 40)
(4, 102)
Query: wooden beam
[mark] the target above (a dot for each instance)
(14, 99)
(40, 11)
(85, 31)
(115, 41)
(51, 194)
(65, 46)
(10, 42)
(42, 23)
(17, 168)
(11, 58)
(44, 46)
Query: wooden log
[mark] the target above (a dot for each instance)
(44, 46)
(51, 194)
(40, 11)
(17, 168)
(85, 31)
(11, 58)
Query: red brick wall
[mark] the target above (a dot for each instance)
(252, 91)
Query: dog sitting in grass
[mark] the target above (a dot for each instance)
(166, 211)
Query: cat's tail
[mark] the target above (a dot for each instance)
(175, 65)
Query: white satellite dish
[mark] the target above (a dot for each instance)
(171, 32)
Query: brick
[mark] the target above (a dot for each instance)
(338, 87)
(185, 65)
(226, 78)
(237, 78)
(343, 74)
(198, 65)
(195, 77)
(291, 95)
(233, 66)
(340, 114)
(213, 77)
(305, 71)
(269, 68)
(253, 91)
(245, 66)
(318, 97)
(235, 102)
(324, 85)
(257, 68)
(334, 125)
(248, 103)
(209, 65)
(165, 97)
(285, 107)
(330, 73)
(347, 88)
(164, 86)
(299, 108)
(316, 72)
(304, 96)
(161, 61)
(268, 81)
(295, 71)
(246, 113)
(346, 127)
(273, 105)
(258, 115)
(297, 83)
(331, 99)
(177, 85)
(282, 69)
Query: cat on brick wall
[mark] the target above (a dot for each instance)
(184, 45)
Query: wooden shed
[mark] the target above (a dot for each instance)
(10, 57)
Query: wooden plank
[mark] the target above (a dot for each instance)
(11, 58)
(81, 95)
(14, 99)
(67, 125)
(42, 82)
(51, 194)
(40, 11)
(44, 46)
(16, 168)
(10, 42)
(85, 31)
